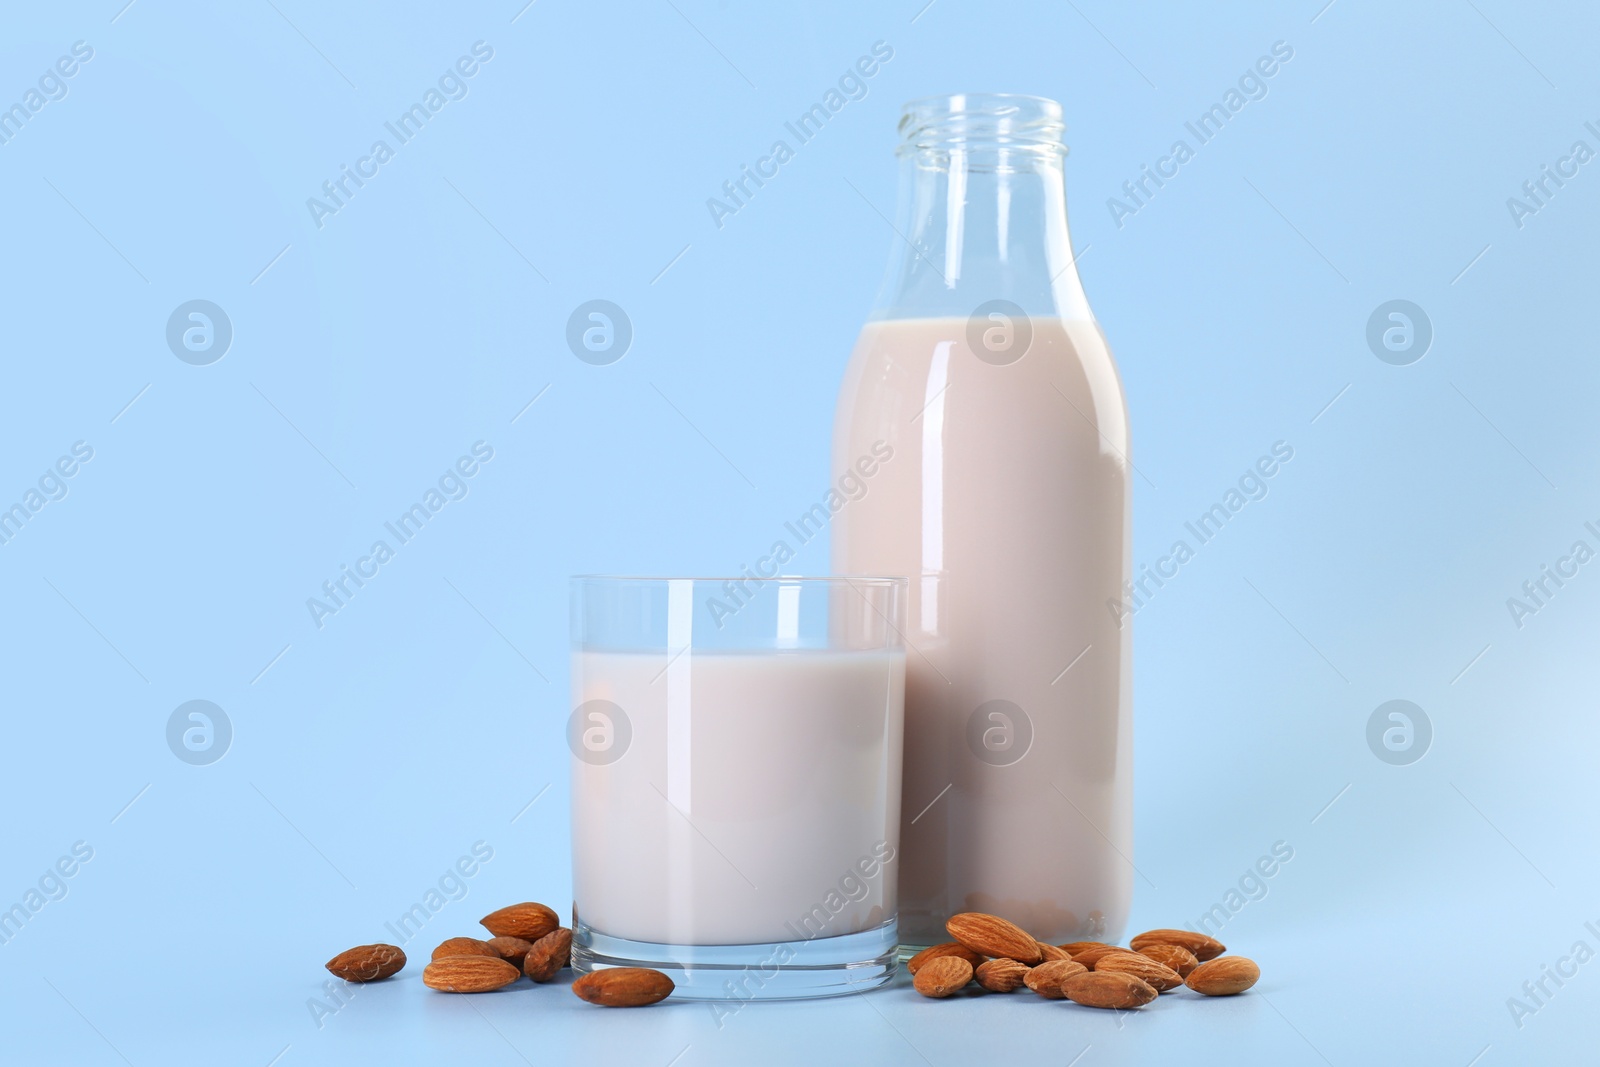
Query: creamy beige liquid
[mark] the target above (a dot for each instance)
(757, 800)
(1006, 503)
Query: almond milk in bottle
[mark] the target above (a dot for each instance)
(1006, 503)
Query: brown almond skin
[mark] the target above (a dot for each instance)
(991, 935)
(1107, 989)
(1157, 976)
(1047, 978)
(548, 955)
(623, 987)
(510, 949)
(529, 921)
(1177, 958)
(1224, 976)
(1089, 955)
(1001, 976)
(949, 948)
(464, 946)
(1075, 947)
(1053, 952)
(1203, 947)
(469, 974)
(367, 963)
(941, 976)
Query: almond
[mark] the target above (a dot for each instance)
(1075, 947)
(1001, 976)
(994, 936)
(528, 921)
(1173, 956)
(1090, 955)
(510, 949)
(548, 955)
(1046, 978)
(468, 974)
(1052, 952)
(1224, 976)
(933, 952)
(367, 963)
(464, 946)
(941, 976)
(1107, 989)
(1203, 947)
(623, 987)
(1157, 976)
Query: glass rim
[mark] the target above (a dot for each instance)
(845, 579)
(975, 103)
(983, 123)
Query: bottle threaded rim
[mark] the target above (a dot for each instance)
(981, 120)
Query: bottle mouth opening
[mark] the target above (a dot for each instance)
(981, 120)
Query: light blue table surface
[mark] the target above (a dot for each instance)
(1398, 155)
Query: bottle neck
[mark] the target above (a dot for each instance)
(982, 214)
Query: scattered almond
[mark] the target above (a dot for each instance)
(1001, 976)
(529, 921)
(993, 936)
(623, 987)
(510, 949)
(1107, 989)
(548, 955)
(1075, 947)
(367, 963)
(949, 948)
(941, 976)
(464, 946)
(1224, 976)
(1174, 956)
(1157, 976)
(468, 974)
(1046, 979)
(1203, 947)
(1089, 956)
(1092, 973)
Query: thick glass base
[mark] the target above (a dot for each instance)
(786, 970)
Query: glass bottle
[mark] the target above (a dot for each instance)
(984, 400)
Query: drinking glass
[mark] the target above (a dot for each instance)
(736, 749)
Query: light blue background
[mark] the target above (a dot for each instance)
(426, 715)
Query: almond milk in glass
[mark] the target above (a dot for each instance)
(736, 781)
(1006, 504)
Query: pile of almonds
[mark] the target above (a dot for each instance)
(527, 939)
(1000, 956)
